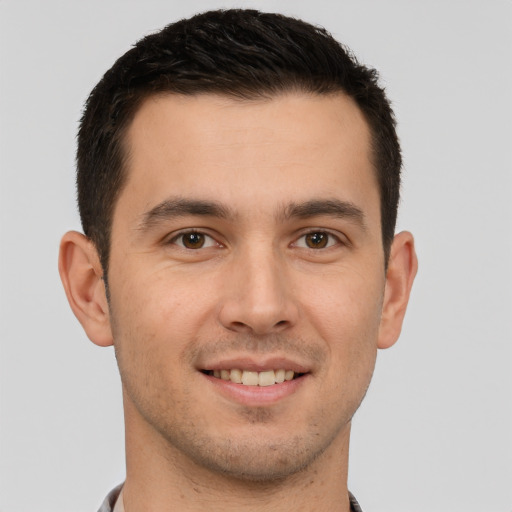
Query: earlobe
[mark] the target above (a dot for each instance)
(402, 268)
(82, 276)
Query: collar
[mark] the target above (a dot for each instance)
(114, 501)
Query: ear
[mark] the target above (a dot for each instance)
(82, 276)
(402, 268)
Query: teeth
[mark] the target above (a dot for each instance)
(236, 376)
(267, 378)
(248, 378)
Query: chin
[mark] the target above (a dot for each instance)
(257, 459)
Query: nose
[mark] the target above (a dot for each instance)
(258, 296)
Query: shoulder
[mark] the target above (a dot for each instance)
(354, 505)
(110, 500)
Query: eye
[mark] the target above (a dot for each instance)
(193, 240)
(317, 240)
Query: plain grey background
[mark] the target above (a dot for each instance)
(435, 431)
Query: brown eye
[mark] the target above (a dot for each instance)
(193, 240)
(317, 240)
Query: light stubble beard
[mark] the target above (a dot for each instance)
(252, 458)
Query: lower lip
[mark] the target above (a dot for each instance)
(256, 395)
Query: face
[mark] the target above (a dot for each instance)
(246, 279)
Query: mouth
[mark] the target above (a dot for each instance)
(253, 378)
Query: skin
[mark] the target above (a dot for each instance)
(257, 290)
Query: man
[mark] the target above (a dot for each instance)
(238, 182)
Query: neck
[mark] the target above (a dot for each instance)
(161, 478)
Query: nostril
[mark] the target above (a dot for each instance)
(240, 326)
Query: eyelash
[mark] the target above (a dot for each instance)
(180, 236)
(331, 240)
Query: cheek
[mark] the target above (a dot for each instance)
(346, 307)
(155, 321)
(148, 340)
(157, 301)
(346, 315)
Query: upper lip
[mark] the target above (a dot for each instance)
(254, 364)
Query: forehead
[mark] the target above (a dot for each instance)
(287, 148)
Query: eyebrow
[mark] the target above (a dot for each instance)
(325, 207)
(179, 207)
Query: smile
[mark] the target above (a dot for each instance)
(252, 378)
